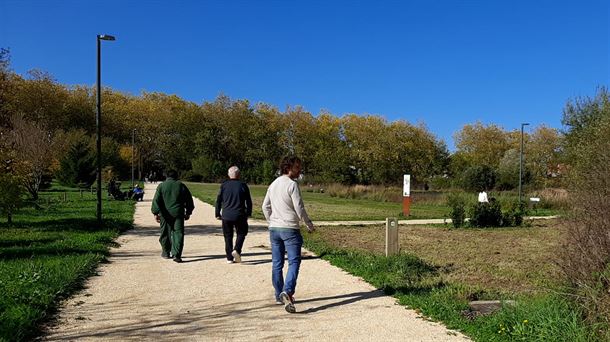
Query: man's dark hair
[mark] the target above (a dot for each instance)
(172, 174)
(287, 163)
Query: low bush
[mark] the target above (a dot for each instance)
(486, 214)
(457, 204)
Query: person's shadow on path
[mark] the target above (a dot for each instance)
(222, 256)
(349, 299)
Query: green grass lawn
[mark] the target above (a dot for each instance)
(322, 207)
(48, 252)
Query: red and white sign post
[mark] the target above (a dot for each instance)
(406, 195)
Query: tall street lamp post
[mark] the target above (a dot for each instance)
(98, 125)
(133, 148)
(521, 162)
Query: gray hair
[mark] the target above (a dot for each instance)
(233, 172)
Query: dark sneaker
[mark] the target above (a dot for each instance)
(165, 256)
(178, 259)
(288, 302)
(236, 256)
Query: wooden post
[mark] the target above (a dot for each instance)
(406, 206)
(81, 193)
(391, 236)
(65, 196)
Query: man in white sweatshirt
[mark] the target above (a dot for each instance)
(283, 208)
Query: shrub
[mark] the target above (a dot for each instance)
(458, 209)
(514, 215)
(586, 251)
(486, 214)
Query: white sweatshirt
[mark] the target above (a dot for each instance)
(283, 206)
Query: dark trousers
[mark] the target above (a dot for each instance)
(241, 226)
(172, 236)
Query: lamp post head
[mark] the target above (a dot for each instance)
(105, 37)
(525, 124)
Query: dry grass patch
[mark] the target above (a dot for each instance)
(509, 260)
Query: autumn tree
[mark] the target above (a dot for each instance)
(11, 187)
(482, 145)
(543, 155)
(32, 144)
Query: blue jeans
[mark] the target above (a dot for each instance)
(285, 240)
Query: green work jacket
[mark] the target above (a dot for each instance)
(172, 199)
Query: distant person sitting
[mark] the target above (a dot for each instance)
(138, 193)
(114, 190)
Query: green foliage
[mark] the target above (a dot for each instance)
(479, 178)
(482, 145)
(513, 217)
(484, 214)
(111, 157)
(47, 255)
(77, 168)
(10, 195)
(263, 173)
(457, 203)
(508, 170)
(191, 176)
(210, 170)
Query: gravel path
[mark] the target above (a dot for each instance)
(140, 296)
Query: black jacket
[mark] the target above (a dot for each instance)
(234, 200)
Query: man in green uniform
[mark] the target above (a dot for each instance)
(172, 205)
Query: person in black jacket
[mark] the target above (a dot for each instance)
(236, 204)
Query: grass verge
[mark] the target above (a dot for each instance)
(49, 251)
(323, 207)
(430, 289)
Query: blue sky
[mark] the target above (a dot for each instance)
(443, 63)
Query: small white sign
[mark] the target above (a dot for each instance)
(534, 199)
(406, 187)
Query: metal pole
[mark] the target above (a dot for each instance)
(98, 126)
(133, 143)
(521, 162)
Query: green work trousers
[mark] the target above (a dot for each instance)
(172, 236)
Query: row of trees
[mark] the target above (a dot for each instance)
(203, 140)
